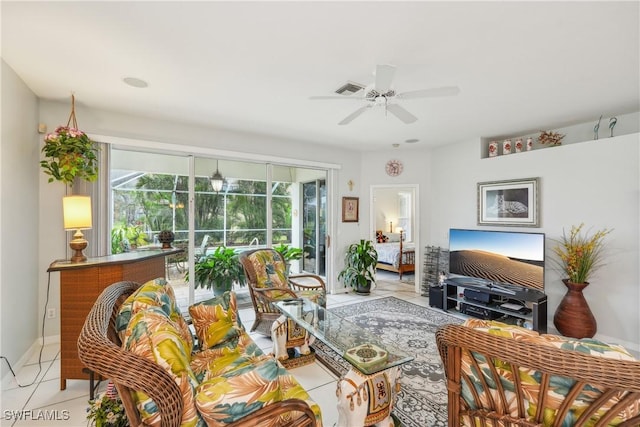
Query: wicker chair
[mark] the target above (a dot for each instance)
(618, 381)
(100, 350)
(268, 282)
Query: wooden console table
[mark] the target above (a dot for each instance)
(80, 285)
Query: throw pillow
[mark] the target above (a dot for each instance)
(152, 335)
(154, 293)
(216, 320)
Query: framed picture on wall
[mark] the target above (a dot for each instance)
(350, 209)
(511, 203)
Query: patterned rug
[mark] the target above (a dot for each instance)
(422, 400)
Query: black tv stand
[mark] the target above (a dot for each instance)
(453, 300)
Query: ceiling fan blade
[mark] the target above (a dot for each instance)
(401, 113)
(358, 98)
(428, 93)
(353, 115)
(384, 77)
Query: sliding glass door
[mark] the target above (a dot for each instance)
(236, 204)
(314, 226)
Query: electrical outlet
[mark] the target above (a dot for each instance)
(51, 313)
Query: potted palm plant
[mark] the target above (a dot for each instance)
(360, 266)
(218, 271)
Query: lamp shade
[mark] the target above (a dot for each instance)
(77, 212)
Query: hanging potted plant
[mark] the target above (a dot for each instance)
(218, 271)
(70, 153)
(360, 266)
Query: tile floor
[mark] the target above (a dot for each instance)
(68, 407)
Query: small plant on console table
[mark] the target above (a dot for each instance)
(360, 266)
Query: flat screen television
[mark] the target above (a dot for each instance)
(499, 257)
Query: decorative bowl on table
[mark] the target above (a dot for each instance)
(366, 355)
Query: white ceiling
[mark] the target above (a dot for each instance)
(251, 66)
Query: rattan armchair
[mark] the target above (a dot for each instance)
(613, 384)
(99, 348)
(268, 282)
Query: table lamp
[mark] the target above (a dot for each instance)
(77, 216)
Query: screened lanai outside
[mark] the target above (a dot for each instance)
(257, 205)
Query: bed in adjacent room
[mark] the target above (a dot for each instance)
(389, 248)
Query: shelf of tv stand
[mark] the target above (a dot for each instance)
(531, 298)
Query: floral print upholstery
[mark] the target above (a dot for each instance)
(154, 336)
(154, 293)
(216, 320)
(271, 272)
(251, 386)
(530, 379)
(228, 379)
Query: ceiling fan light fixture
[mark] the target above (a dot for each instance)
(381, 94)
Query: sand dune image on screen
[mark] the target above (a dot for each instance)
(497, 268)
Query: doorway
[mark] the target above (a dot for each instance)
(394, 208)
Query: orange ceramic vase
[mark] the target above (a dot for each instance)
(573, 316)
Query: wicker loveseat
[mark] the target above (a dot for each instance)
(560, 382)
(136, 337)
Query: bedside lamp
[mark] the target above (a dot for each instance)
(77, 216)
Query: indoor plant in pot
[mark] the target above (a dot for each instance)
(289, 253)
(70, 153)
(218, 271)
(360, 266)
(127, 237)
(578, 256)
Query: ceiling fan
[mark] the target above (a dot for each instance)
(381, 94)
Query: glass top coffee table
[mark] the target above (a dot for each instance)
(362, 349)
(366, 393)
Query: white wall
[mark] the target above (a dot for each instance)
(19, 211)
(387, 208)
(593, 182)
(98, 122)
(596, 182)
(415, 172)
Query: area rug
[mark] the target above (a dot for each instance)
(422, 400)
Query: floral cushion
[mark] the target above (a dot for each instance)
(530, 379)
(152, 335)
(154, 293)
(216, 320)
(236, 393)
(269, 268)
